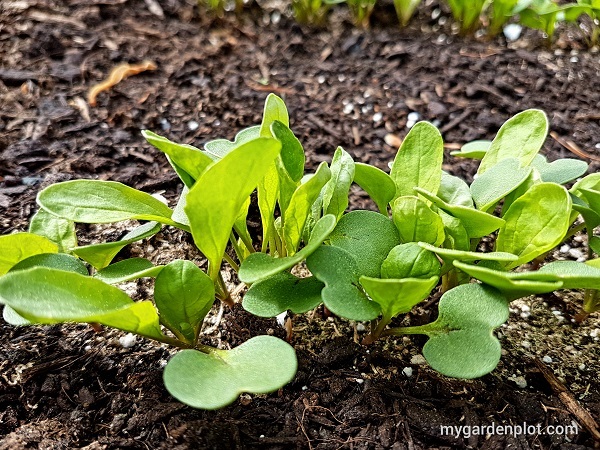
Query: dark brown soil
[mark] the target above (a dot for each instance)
(70, 387)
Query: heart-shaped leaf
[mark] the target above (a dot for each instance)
(455, 191)
(128, 269)
(259, 266)
(215, 200)
(535, 223)
(461, 341)
(60, 231)
(100, 255)
(477, 223)
(335, 192)
(497, 182)
(512, 284)
(368, 236)
(44, 295)
(342, 294)
(375, 182)
(297, 212)
(218, 148)
(397, 296)
(19, 246)
(94, 201)
(410, 261)
(212, 380)
(418, 162)
(183, 156)
(560, 171)
(416, 222)
(282, 292)
(183, 295)
(473, 150)
(521, 137)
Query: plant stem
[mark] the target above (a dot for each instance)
(573, 231)
(591, 302)
(226, 294)
(377, 332)
(172, 341)
(231, 262)
(401, 331)
(236, 248)
(247, 243)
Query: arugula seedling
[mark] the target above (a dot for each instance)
(467, 13)
(405, 9)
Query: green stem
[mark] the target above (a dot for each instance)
(236, 248)
(226, 294)
(247, 243)
(401, 331)
(573, 231)
(231, 262)
(591, 302)
(172, 341)
(377, 332)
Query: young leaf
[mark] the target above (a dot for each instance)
(43, 295)
(58, 261)
(473, 149)
(416, 222)
(100, 255)
(449, 255)
(497, 182)
(183, 295)
(397, 296)
(574, 275)
(179, 214)
(299, 208)
(259, 266)
(461, 341)
(535, 223)
(215, 201)
(511, 284)
(368, 236)
(60, 231)
(218, 148)
(212, 380)
(521, 137)
(376, 183)
(477, 223)
(418, 162)
(184, 156)
(275, 110)
(292, 153)
(560, 171)
(93, 201)
(592, 197)
(342, 295)
(457, 237)
(19, 246)
(335, 192)
(410, 261)
(268, 192)
(282, 292)
(128, 269)
(455, 191)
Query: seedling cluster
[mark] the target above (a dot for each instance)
(480, 245)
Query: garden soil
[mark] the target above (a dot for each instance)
(64, 387)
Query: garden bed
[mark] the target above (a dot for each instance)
(72, 387)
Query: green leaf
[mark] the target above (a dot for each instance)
(410, 261)
(93, 201)
(449, 255)
(376, 183)
(397, 296)
(477, 223)
(299, 208)
(561, 171)
(128, 269)
(179, 214)
(19, 246)
(473, 149)
(100, 255)
(212, 380)
(342, 294)
(259, 266)
(335, 192)
(292, 153)
(184, 156)
(282, 292)
(218, 148)
(183, 295)
(368, 236)
(275, 110)
(416, 222)
(44, 295)
(594, 244)
(497, 182)
(592, 197)
(455, 191)
(461, 341)
(215, 201)
(591, 181)
(535, 223)
(512, 284)
(268, 192)
(418, 162)
(60, 231)
(59, 261)
(573, 275)
(11, 317)
(456, 235)
(521, 137)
